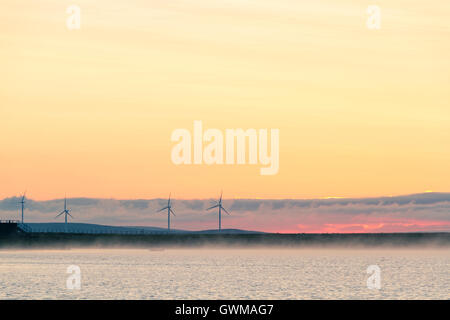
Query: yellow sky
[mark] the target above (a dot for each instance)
(90, 112)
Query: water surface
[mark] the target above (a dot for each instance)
(225, 274)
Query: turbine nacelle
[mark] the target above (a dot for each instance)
(22, 199)
(22, 202)
(218, 204)
(169, 211)
(66, 212)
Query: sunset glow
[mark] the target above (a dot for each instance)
(360, 113)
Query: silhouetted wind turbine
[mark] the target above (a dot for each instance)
(22, 202)
(65, 211)
(219, 205)
(169, 211)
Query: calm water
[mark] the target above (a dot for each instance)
(225, 274)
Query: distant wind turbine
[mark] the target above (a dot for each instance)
(169, 211)
(219, 205)
(65, 211)
(22, 202)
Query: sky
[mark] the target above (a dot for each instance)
(89, 113)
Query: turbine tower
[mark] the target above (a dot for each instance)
(169, 211)
(219, 205)
(65, 212)
(22, 202)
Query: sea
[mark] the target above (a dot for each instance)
(226, 273)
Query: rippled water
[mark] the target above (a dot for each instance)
(225, 274)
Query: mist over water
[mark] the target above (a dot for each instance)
(219, 273)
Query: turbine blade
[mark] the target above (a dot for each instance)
(215, 206)
(70, 215)
(59, 214)
(172, 212)
(162, 209)
(224, 210)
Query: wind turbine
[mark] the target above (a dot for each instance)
(219, 205)
(22, 202)
(169, 211)
(65, 211)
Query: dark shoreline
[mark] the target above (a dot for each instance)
(382, 240)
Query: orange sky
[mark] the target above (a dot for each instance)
(90, 112)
